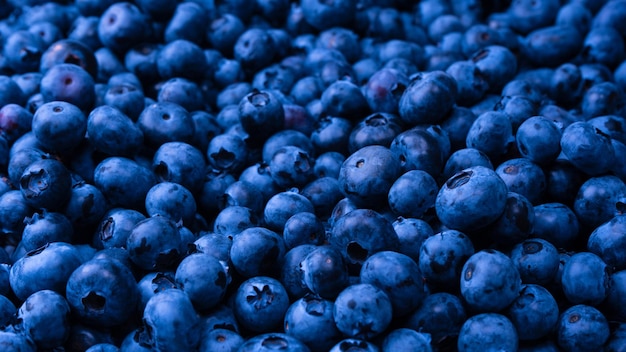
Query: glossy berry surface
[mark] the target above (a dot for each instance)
(316, 175)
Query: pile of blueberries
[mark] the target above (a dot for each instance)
(313, 175)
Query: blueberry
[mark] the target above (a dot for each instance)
(524, 177)
(515, 224)
(257, 251)
(344, 99)
(282, 206)
(354, 344)
(245, 194)
(471, 199)
(538, 139)
(306, 89)
(341, 39)
(331, 135)
(413, 194)
(171, 200)
(463, 159)
(260, 304)
(205, 127)
(59, 126)
(274, 77)
(576, 15)
(103, 347)
(490, 281)
(232, 94)
(619, 75)
(324, 272)
(489, 331)
(585, 279)
(471, 84)
(45, 318)
(361, 233)
(617, 287)
(428, 98)
(127, 98)
(271, 341)
(605, 242)
(611, 125)
(7, 311)
(228, 72)
(123, 181)
(518, 108)
(212, 190)
(254, 49)
(137, 340)
(44, 228)
(442, 256)
(375, 129)
(223, 32)
(491, 133)
(527, 15)
(322, 15)
(362, 311)
(564, 180)
(440, 315)
(537, 261)
(234, 219)
(168, 312)
(203, 278)
(310, 320)
(398, 276)
(291, 275)
(46, 184)
(122, 25)
(406, 339)
(164, 122)
(402, 49)
(115, 227)
(182, 92)
(303, 228)
(603, 45)
(323, 193)
(411, 234)
(291, 166)
(261, 114)
(112, 132)
(153, 283)
(5, 269)
(604, 98)
(45, 268)
(69, 83)
(23, 50)
(17, 341)
(155, 243)
(141, 61)
(328, 164)
(185, 22)
(539, 45)
(83, 29)
(367, 175)
(220, 340)
(594, 74)
(69, 51)
(598, 199)
(13, 210)
(180, 163)
(583, 328)
(102, 292)
(608, 14)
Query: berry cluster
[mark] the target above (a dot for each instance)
(313, 175)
